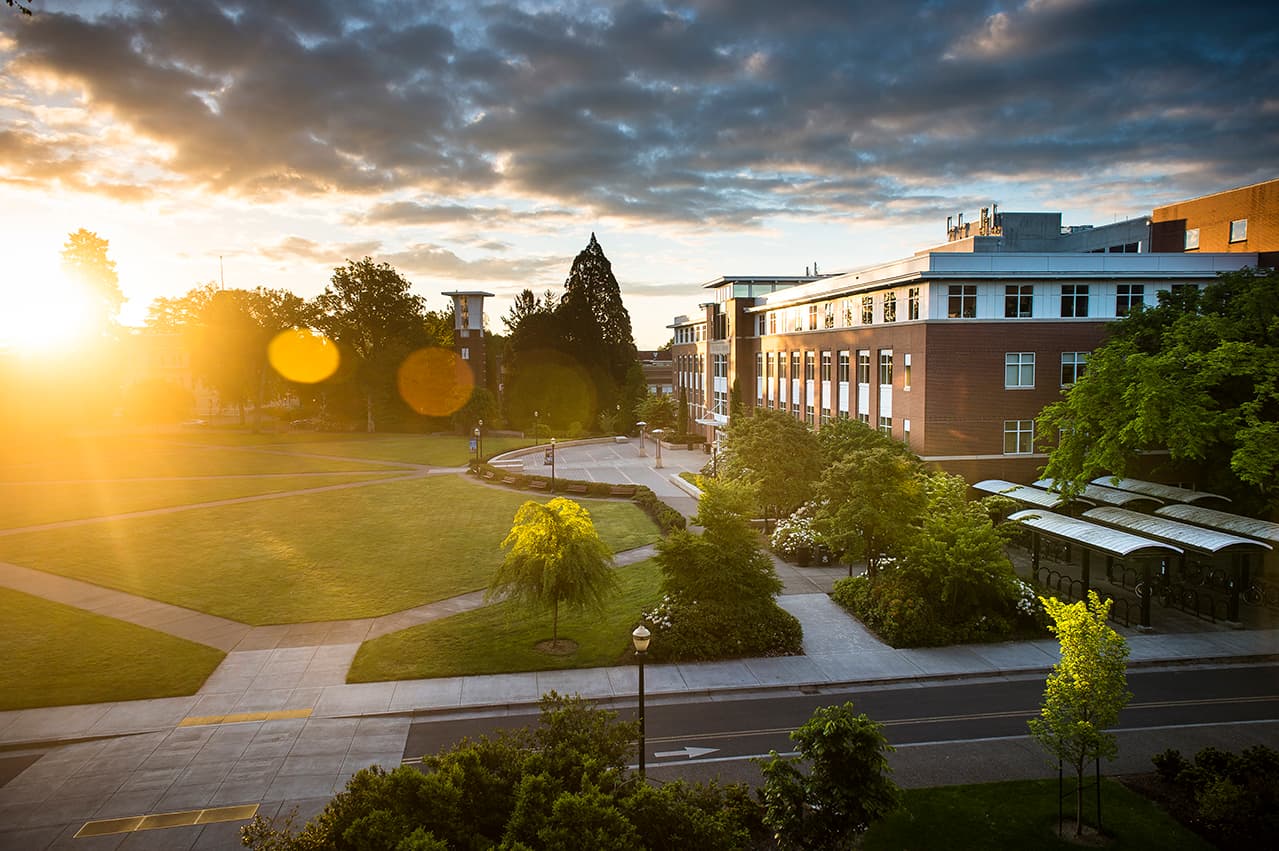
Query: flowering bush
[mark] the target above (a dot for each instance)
(795, 533)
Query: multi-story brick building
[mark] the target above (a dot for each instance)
(1237, 220)
(954, 350)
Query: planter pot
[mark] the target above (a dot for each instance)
(803, 556)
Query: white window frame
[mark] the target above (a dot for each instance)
(1019, 370)
(1077, 362)
(1022, 435)
(1239, 230)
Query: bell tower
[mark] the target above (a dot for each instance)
(468, 330)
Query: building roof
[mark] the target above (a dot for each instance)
(1021, 493)
(1102, 496)
(1183, 535)
(1262, 530)
(1090, 535)
(1166, 493)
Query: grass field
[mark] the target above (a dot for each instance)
(352, 553)
(1022, 814)
(55, 655)
(502, 638)
(436, 450)
(29, 503)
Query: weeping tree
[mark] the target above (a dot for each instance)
(553, 556)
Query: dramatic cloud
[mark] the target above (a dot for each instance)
(720, 112)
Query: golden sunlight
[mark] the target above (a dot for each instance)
(435, 382)
(46, 312)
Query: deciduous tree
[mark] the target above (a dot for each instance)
(845, 789)
(1197, 375)
(85, 261)
(774, 452)
(867, 502)
(1086, 690)
(553, 556)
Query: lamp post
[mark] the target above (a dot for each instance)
(552, 465)
(640, 638)
(479, 436)
(475, 443)
(657, 438)
(537, 439)
(641, 425)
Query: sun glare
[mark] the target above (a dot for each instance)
(45, 314)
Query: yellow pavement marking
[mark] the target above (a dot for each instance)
(158, 821)
(243, 717)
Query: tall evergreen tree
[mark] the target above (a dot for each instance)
(594, 323)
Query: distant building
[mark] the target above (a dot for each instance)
(658, 376)
(468, 331)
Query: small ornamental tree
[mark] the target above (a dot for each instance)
(553, 556)
(1086, 690)
(845, 790)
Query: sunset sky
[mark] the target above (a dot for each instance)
(478, 144)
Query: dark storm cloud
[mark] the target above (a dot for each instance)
(719, 111)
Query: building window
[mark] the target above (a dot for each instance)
(772, 321)
(1019, 369)
(886, 425)
(1239, 230)
(1192, 239)
(808, 415)
(906, 432)
(890, 307)
(906, 373)
(812, 317)
(1074, 299)
(1127, 297)
(1072, 367)
(761, 325)
(846, 306)
(868, 310)
(1019, 436)
(810, 365)
(912, 303)
(885, 366)
(1018, 301)
(466, 353)
(825, 366)
(863, 417)
(863, 367)
(961, 302)
(794, 366)
(828, 315)
(843, 367)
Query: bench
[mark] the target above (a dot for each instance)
(622, 490)
(538, 484)
(489, 474)
(577, 487)
(508, 480)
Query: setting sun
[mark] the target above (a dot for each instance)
(48, 313)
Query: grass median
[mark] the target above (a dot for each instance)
(1023, 814)
(56, 655)
(502, 638)
(435, 450)
(351, 553)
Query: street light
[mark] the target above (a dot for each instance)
(479, 436)
(536, 422)
(657, 437)
(475, 444)
(552, 465)
(641, 424)
(640, 638)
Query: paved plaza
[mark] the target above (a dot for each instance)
(277, 726)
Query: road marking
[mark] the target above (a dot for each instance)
(687, 751)
(242, 717)
(157, 821)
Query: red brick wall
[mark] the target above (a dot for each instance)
(1212, 215)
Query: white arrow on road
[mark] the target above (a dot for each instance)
(691, 753)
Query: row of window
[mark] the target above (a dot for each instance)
(769, 365)
(1238, 233)
(690, 333)
(961, 303)
(1019, 369)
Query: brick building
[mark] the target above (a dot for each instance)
(954, 351)
(1237, 220)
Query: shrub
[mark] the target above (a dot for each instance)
(700, 631)
(1234, 798)
(795, 534)
(1169, 764)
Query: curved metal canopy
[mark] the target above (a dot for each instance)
(1167, 493)
(1102, 496)
(1022, 493)
(1262, 530)
(1090, 535)
(1184, 535)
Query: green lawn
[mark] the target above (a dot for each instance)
(436, 450)
(1022, 814)
(131, 456)
(342, 554)
(55, 655)
(502, 638)
(31, 503)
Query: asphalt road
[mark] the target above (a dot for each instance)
(945, 732)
